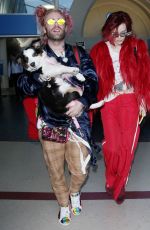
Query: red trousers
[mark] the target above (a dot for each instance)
(121, 132)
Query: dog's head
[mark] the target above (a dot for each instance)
(31, 57)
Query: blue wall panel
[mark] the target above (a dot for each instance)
(17, 25)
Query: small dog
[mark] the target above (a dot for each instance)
(58, 90)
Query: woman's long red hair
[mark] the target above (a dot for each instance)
(113, 21)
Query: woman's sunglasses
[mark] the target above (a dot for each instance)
(122, 34)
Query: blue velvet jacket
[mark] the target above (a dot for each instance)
(29, 84)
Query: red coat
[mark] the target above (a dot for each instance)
(30, 106)
(134, 67)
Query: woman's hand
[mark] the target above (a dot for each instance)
(142, 111)
(75, 108)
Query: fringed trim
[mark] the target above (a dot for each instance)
(77, 140)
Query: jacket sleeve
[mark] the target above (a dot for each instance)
(29, 84)
(91, 82)
(143, 82)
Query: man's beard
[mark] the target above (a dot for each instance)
(56, 37)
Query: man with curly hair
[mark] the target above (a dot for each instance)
(55, 24)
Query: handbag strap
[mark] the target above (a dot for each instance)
(76, 54)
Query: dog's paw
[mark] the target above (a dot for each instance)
(44, 77)
(80, 77)
(75, 71)
(48, 86)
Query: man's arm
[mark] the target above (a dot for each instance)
(29, 83)
(89, 96)
(91, 83)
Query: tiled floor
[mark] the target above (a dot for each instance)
(26, 199)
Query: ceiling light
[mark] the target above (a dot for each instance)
(49, 6)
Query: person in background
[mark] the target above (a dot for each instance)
(14, 71)
(30, 105)
(123, 66)
(56, 24)
(1, 74)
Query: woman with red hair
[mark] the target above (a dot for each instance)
(123, 66)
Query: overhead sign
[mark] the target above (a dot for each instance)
(18, 25)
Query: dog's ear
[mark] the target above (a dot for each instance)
(37, 43)
(38, 47)
(18, 58)
(38, 51)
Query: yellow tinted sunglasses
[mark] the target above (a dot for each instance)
(60, 21)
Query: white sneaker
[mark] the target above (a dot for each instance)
(64, 215)
(75, 203)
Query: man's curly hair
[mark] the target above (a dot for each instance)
(41, 12)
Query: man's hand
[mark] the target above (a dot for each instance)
(75, 108)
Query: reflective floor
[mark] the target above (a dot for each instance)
(26, 198)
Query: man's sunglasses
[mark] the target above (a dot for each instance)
(60, 21)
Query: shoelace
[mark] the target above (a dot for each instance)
(75, 200)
